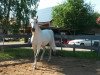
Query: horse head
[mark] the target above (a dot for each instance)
(35, 23)
(36, 20)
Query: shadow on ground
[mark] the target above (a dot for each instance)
(57, 66)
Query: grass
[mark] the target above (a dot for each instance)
(79, 54)
(17, 53)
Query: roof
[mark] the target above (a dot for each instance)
(44, 15)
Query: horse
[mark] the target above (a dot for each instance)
(40, 40)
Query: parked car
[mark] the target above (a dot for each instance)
(60, 42)
(84, 42)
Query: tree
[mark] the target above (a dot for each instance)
(20, 10)
(73, 15)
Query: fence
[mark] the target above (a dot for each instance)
(92, 47)
(68, 37)
(8, 37)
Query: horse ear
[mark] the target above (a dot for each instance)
(36, 17)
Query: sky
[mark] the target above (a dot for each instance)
(50, 3)
(95, 4)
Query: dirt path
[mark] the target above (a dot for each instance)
(57, 66)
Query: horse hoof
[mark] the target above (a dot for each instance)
(35, 68)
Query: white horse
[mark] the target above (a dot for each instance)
(40, 40)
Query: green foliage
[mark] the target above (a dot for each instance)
(19, 10)
(74, 15)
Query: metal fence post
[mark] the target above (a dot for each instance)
(62, 34)
(74, 48)
(91, 45)
(61, 41)
(2, 48)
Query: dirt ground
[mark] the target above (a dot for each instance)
(57, 66)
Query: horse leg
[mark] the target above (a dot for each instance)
(43, 53)
(34, 49)
(52, 47)
(36, 55)
(50, 54)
